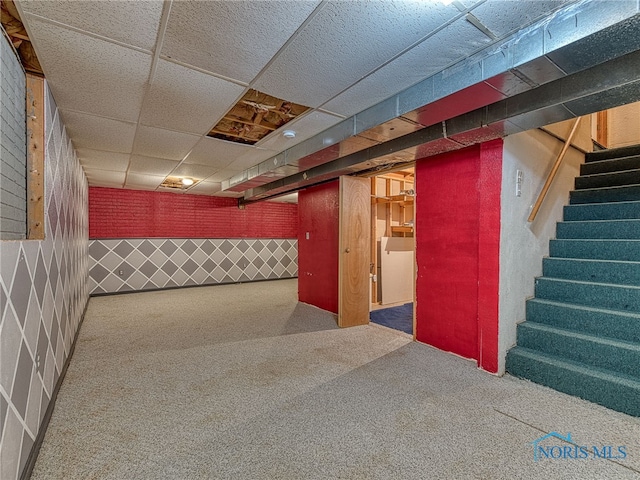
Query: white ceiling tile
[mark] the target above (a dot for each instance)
(206, 188)
(504, 16)
(131, 22)
(359, 34)
(103, 178)
(197, 172)
(305, 127)
(157, 142)
(187, 100)
(151, 166)
(90, 75)
(445, 48)
(232, 39)
(97, 133)
(217, 153)
(99, 160)
(143, 181)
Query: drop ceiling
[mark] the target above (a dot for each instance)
(141, 84)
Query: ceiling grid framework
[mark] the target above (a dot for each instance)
(141, 83)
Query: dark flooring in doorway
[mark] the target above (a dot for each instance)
(398, 318)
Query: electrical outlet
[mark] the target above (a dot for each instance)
(38, 361)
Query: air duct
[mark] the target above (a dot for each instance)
(572, 40)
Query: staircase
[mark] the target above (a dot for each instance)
(582, 329)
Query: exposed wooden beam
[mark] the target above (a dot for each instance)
(35, 157)
(246, 122)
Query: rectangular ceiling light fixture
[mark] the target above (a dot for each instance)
(254, 117)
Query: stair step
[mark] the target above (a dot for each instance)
(610, 165)
(598, 271)
(602, 211)
(599, 229)
(610, 179)
(608, 354)
(589, 320)
(625, 193)
(617, 392)
(621, 250)
(612, 153)
(624, 298)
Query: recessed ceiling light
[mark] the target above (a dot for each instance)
(289, 134)
(187, 181)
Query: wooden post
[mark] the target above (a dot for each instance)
(35, 157)
(387, 192)
(374, 235)
(602, 128)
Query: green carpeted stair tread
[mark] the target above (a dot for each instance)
(611, 153)
(602, 211)
(610, 165)
(609, 179)
(582, 333)
(588, 270)
(606, 353)
(599, 229)
(616, 391)
(606, 295)
(599, 249)
(623, 193)
(588, 319)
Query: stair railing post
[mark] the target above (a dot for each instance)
(553, 172)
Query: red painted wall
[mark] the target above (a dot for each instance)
(319, 214)
(457, 251)
(119, 213)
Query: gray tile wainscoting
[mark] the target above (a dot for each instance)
(122, 265)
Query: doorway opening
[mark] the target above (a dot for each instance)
(393, 249)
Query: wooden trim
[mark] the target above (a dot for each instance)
(553, 172)
(602, 128)
(35, 157)
(401, 199)
(401, 229)
(374, 243)
(387, 193)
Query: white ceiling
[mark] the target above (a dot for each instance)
(140, 83)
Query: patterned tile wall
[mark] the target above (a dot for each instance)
(43, 293)
(148, 264)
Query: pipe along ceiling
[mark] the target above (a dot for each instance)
(581, 60)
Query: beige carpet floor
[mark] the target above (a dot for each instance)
(243, 382)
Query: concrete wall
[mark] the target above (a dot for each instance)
(13, 141)
(43, 294)
(457, 251)
(522, 245)
(122, 213)
(144, 240)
